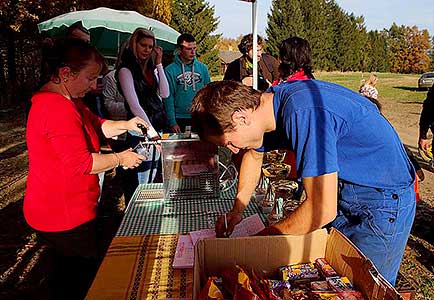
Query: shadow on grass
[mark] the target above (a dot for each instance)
(410, 88)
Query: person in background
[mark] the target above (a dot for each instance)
(77, 31)
(295, 61)
(356, 174)
(142, 82)
(62, 190)
(426, 121)
(186, 75)
(114, 101)
(368, 88)
(241, 69)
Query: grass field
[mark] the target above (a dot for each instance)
(397, 87)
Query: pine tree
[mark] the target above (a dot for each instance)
(286, 20)
(341, 36)
(318, 32)
(377, 52)
(197, 17)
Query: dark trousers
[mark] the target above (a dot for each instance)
(75, 259)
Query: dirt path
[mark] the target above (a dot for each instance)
(418, 262)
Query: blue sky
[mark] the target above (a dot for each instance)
(235, 16)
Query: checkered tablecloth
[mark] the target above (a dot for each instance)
(147, 214)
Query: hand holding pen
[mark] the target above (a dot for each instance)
(225, 224)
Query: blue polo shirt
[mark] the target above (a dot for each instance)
(333, 129)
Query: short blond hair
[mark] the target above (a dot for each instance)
(372, 80)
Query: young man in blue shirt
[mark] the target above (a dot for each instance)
(354, 168)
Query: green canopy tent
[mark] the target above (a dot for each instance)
(109, 28)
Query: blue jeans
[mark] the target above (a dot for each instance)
(378, 222)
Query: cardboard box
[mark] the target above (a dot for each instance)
(266, 254)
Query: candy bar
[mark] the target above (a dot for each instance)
(298, 295)
(299, 271)
(319, 286)
(350, 295)
(278, 286)
(325, 268)
(347, 295)
(339, 284)
(324, 296)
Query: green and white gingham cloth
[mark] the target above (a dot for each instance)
(147, 215)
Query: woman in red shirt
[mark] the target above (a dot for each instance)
(64, 160)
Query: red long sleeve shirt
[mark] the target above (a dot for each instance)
(61, 136)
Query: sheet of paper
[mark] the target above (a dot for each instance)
(248, 226)
(201, 234)
(184, 254)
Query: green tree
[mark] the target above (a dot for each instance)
(318, 32)
(341, 28)
(285, 20)
(408, 49)
(197, 17)
(377, 51)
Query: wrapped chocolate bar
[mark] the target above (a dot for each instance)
(237, 283)
(319, 286)
(261, 287)
(242, 293)
(347, 295)
(210, 291)
(325, 268)
(339, 284)
(324, 296)
(279, 288)
(305, 271)
(298, 295)
(350, 295)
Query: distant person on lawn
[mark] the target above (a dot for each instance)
(368, 88)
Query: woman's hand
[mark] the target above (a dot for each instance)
(159, 55)
(129, 159)
(132, 124)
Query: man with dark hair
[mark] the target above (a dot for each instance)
(241, 69)
(356, 174)
(186, 75)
